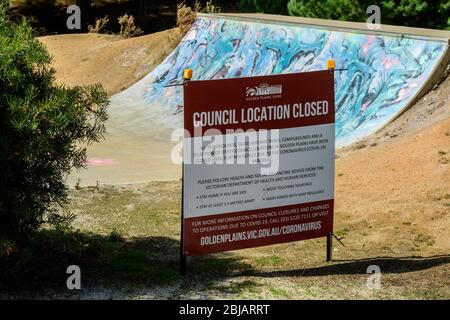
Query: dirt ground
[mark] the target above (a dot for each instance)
(114, 62)
(392, 201)
(402, 173)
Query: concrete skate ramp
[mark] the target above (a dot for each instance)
(387, 70)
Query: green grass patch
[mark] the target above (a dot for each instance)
(278, 293)
(342, 233)
(423, 239)
(240, 287)
(272, 261)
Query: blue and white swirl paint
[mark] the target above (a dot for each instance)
(384, 71)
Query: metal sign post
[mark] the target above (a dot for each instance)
(187, 76)
(330, 66)
(183, 259)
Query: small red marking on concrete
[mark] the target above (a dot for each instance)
(100, 162)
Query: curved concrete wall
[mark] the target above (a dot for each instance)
(385, 72)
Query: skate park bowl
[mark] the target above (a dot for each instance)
(386, 71)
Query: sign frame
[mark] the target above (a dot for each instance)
(329, 235)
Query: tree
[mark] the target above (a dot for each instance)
(412, 13)
(350, 10)
(44, 129)
(417, 13)
(264, 6)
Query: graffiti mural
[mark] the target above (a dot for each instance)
(383, 71)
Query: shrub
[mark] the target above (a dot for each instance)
(263, 6)
(412, 13)
(185, 16)
(44, 129)
(417, 13)
(7, 248)
(100, 25)
(116, 236)
(128, 28)
(349, 10)
(210, 7)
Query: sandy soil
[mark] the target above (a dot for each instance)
(403, 183)
(114, 62)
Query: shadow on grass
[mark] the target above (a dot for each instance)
(41, 261)
(388, 265)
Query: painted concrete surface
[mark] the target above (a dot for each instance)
(384, 72)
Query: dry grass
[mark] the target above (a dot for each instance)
(185, 17)
(413, 265)
(100, 25)
(128, 28)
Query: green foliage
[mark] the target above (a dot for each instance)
(330, 9)
(7, 248)
(416, 13)
(412, 13)
(43, 130)
(263, 6)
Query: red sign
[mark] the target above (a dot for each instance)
(258, 161)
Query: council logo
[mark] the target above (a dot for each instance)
(263, 89)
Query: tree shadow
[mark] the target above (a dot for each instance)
(388, 265)
(41, 261)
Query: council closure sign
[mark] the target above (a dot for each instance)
(258, 161)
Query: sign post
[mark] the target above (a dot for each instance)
(258, 162)
(187, 76)
(331, 67)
